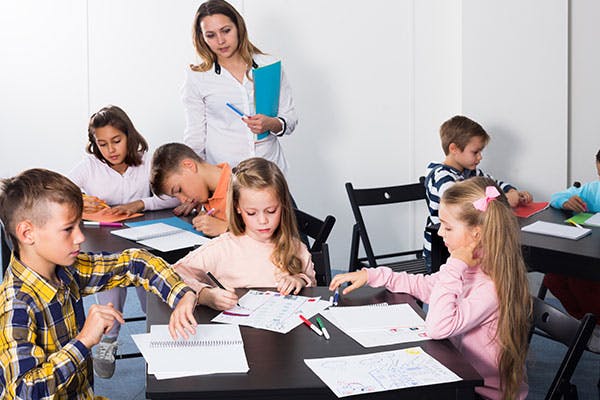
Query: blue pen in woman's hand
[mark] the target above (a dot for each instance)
(235, 110)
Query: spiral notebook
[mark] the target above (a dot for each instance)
(213, 349)
(161, 236)
(378, 324)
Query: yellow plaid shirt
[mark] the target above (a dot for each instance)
(39, 355)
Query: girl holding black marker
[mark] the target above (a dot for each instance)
(262, 247)
(216, 132)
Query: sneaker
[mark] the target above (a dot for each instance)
(594, 342)
(104, 358)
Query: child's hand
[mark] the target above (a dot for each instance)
(129, 208)
(100, 320)
(217, 298)
(513, 197)
(525, 197)
(185, 208)
(92, 204)
(209, 225)
(182, 318)
(467, 254)
(575, 203)
(290, 283)
(358, 279)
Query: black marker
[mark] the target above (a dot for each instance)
(212, 278)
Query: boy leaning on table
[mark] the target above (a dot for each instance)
(45, 338)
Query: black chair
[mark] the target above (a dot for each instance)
(318, 231)
(552, 323)
(379, 196)
(314, 228)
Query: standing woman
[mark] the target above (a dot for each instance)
(224, 75)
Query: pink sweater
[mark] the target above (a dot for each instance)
(238, 262)
(462, 307)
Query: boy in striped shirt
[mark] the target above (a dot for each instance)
(45, 337)
(463, 141)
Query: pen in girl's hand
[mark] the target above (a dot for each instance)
(336, 296)
(212, 278)
(211, 211)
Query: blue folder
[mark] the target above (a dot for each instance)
(173, 221)
(267, 86)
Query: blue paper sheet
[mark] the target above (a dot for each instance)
(173, 221)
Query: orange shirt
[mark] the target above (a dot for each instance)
(218, 200)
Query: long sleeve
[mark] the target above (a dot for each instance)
(101, 271)
(27, 372)
(453, 312)
(287, 109)
(505, 186)
(195, 116)
(558, 199)
(193, 268)
(308, 273)
(417, 285)
(589, 193)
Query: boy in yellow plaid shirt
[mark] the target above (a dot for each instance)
(45, 337)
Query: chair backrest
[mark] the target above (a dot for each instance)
(569, 331)
(314, 228)
(322, 265)
(379, 196)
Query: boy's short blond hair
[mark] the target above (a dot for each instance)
(26, 197)
(460, 130)
(166, 161)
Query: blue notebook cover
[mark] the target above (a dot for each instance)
(267, 85)
(173, 221)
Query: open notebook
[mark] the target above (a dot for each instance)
(161, 236)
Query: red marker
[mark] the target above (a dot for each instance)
(311, 325)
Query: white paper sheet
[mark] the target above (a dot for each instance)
(378, 324)
(377, 372)
(271, 311)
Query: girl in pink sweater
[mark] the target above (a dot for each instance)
(262, 247)
(480, 298)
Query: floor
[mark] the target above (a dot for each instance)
(129, 379)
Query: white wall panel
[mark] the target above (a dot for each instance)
(43, 84)
(514, 82)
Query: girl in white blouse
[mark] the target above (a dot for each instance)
(116, 170)
(224, 75)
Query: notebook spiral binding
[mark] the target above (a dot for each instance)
(172, 344)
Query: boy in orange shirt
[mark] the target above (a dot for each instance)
(177, 171)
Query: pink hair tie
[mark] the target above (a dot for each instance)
(490, 194)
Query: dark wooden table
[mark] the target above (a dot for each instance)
(578, 258)
(277, 368)
(100, 238)
(542, 253)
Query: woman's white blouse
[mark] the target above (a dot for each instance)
(216, 132)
